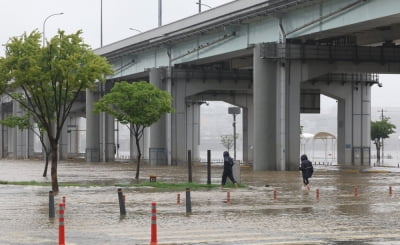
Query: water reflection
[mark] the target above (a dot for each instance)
(253, 215)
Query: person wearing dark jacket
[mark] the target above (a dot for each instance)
(228, 164)
(306, 169)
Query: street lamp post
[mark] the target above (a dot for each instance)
(234, 111)
(159, 13)
(101, 23)
(202, 4)
(44, 25)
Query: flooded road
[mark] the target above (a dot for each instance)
(253, 215)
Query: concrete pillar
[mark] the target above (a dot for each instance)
(19, 143)
(248, 132)
(354, 123)
(293, 85)
(11, 138)
(179, 130)
(145, 143)
(353, 96)
(107, 140)
(265, 111)
(30, 142)
(343, 148)
(63, 143)
(132, 144)
(359, 108)
(157, 150)
(366, 123)
(73, 134)
(14, 134)
(23, 139)
(92, 129)
(168, 118)
(193, 129)
(284, 109)
(245, 137)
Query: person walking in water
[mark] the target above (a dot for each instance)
(306, 169)
(228, 164)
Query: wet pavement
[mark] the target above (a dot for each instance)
(253, 215)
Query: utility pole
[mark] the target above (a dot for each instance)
(199, 6)
(101, 23)
(159, 13)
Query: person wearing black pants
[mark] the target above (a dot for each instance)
(228, 173)
(306, 169)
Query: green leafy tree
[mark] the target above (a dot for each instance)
(227, 140)
(46, 81)
(137, 105)
(381, 130)
(24, 122)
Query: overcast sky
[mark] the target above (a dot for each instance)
(19, 16)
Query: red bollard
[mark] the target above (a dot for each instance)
(61, 229)
(178, 198)
(228, 197)
(317, 193)
(390, 190)
(275, 195)
(355, 191)
(153, 224)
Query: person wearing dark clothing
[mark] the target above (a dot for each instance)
(228, 164)
(306, 169)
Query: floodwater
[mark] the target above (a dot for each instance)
(253, 215)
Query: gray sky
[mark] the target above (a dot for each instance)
(19, 16)
(388, 95)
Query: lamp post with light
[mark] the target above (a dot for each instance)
(234, 111)
(44, 25)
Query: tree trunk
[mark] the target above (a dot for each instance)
(46, 151)
(54, 180)
(46, 165)
(378, 153)
(138, 158)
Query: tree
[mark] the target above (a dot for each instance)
(46, 81)
(137, 105)
(227, 140)
(381, 130)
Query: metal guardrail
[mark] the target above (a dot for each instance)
(381, 54)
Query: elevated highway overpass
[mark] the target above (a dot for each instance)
(273, 58)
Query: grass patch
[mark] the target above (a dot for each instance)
(34, 183)
(171, 186)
